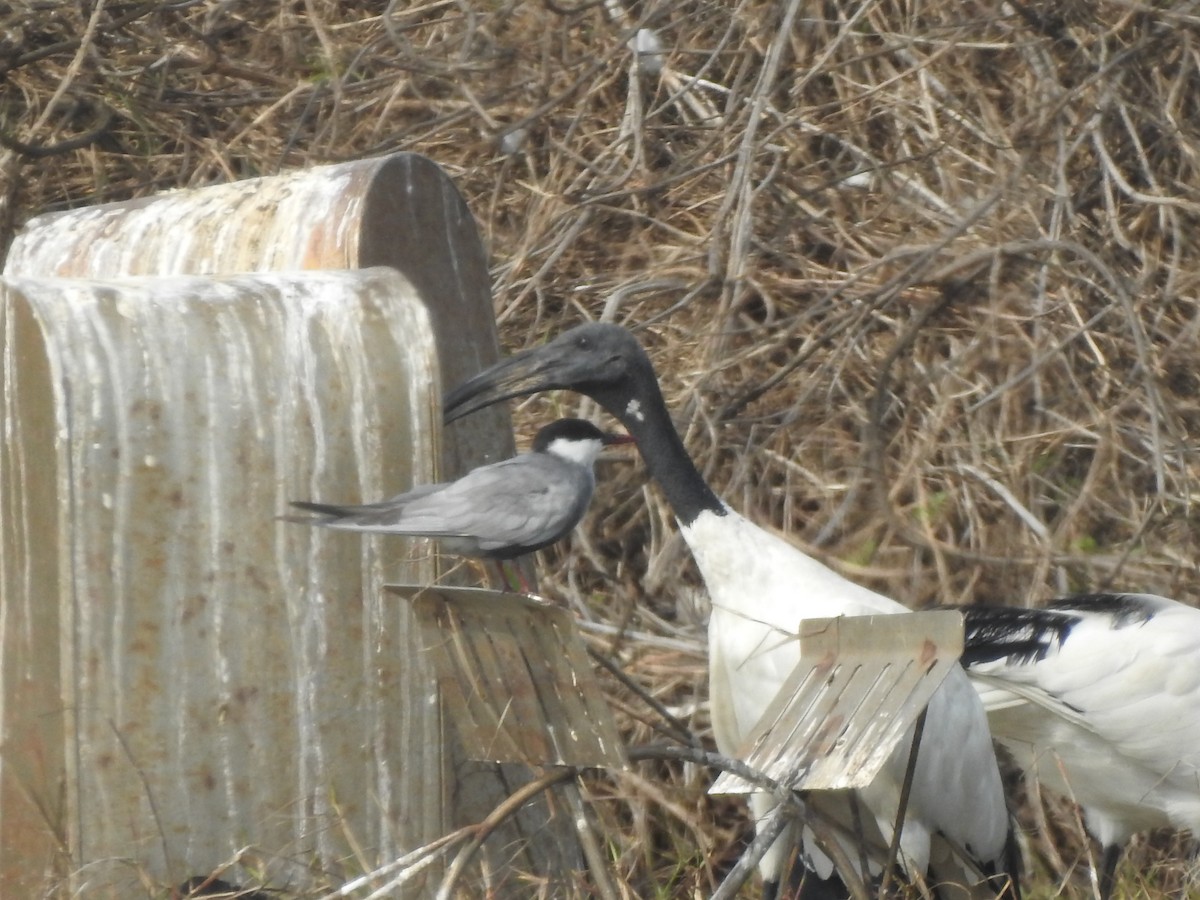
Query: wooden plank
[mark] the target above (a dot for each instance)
(494, 666)
(594, 706)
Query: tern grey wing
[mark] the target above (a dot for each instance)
(510, 508)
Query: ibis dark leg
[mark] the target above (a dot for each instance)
(810, 887)
(815, 888)
(1108, 870)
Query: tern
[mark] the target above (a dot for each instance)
(761, 588)
(1098, 697)
(495, 512)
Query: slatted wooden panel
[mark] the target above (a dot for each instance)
(860, 685)
(514, 678)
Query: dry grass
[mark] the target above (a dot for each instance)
(919, 277)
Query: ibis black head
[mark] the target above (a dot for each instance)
(606, 363)
(601, 361)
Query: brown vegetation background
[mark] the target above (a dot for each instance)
(920, 277)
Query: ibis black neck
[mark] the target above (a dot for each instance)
(642, 411)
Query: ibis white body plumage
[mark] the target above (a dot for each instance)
(761, 587)
(1098, 697)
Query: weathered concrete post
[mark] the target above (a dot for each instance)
(184, 680)
(198, 675)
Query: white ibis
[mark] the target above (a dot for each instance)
(495, 512)
(1098, 696)
(761, 588)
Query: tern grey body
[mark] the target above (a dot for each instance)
(499, 511)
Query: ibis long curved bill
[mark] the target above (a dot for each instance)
(576, 360)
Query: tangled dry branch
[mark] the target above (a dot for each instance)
(918, 277)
